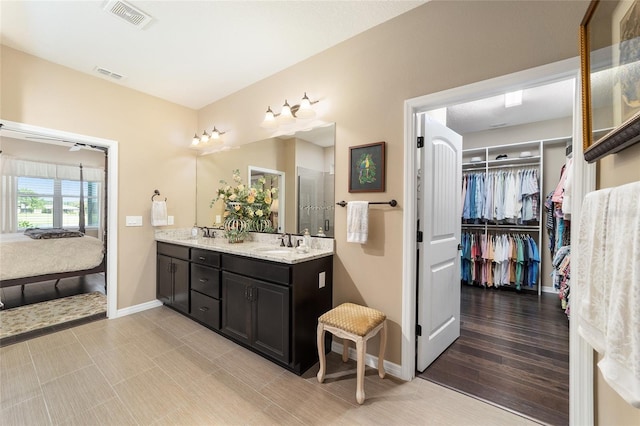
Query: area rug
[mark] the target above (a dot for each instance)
(24, 319)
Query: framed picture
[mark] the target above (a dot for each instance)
(367, 165)
(610, 72)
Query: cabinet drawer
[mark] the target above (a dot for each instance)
(268, 271)
(206, 257)
(206, 280)
(173, 250)
(205, 309)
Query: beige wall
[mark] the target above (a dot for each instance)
(152, 137)
(363, 83)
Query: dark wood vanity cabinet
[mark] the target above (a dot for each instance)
(173, 276)
(269, 307)
(256, 313)
(205, 287)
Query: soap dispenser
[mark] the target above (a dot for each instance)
(307, 238)
(194, 232)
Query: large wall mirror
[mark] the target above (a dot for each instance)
(300, 165)
(610, 60)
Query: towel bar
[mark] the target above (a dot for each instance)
(392, 203)
(156, 192)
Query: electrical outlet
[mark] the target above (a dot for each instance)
(321, 278)
(169, 220)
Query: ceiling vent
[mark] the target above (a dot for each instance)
(105, 72)
(129, 13)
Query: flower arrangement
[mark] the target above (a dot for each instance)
(244, 204)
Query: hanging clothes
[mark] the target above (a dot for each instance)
(500, 259)
(501, 196)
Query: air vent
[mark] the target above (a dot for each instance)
(105, 72)
(129, 13)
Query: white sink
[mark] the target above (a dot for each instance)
(273, 250)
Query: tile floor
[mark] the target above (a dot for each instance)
(158, 367)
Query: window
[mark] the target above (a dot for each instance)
(47, 203)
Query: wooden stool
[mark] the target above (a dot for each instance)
(359, 324)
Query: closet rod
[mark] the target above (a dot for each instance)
(522, 165)
(500, 227)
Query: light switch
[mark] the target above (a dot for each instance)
(133, 221)
(169, 220)
(321, 278)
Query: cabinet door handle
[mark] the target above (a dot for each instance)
(203, 309)
(202, 258)
(203, 280)
(169, 267)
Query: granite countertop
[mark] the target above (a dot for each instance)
(264, 247)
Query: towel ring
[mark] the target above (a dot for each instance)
(156, 192)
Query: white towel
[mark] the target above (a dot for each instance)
(588, 272)
(357, 221)
(159, 213)
(621, 363)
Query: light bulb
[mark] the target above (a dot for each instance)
(286, 116)
(196, 140)
(205, 137)
(269, 120)
(215, 134)
(305, 110)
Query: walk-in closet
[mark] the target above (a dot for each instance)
(513, 348)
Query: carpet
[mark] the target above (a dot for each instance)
(24, 319)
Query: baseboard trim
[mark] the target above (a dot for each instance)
(391, 368)
(138, 308)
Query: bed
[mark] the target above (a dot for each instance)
(25, 260)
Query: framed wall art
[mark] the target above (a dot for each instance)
(610, 68)
(367, 163)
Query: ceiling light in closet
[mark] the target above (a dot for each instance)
(512, 99)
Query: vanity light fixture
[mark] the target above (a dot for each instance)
(289, 113)
(215, 135)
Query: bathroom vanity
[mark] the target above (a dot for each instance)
(264, 297)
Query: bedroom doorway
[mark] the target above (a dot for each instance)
(73, 142)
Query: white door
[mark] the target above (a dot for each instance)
(439, 260)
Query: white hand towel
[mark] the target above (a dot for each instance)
(620, 366)
(357, 221)
(159, 215)
(589, 276)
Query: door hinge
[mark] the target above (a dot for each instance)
(419, 236)
(418, 330)
(459, 247)
(420, 141)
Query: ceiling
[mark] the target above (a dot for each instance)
(191, 52)
(539, 103)
(196, 52)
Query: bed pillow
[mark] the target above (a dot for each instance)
(45, 234)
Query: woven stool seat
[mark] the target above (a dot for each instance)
(356, 323)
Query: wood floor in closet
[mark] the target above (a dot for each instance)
(513, 351)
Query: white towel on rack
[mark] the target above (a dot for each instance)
(159, 215)
(357, 221)
(589, 270)
(621, 363)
